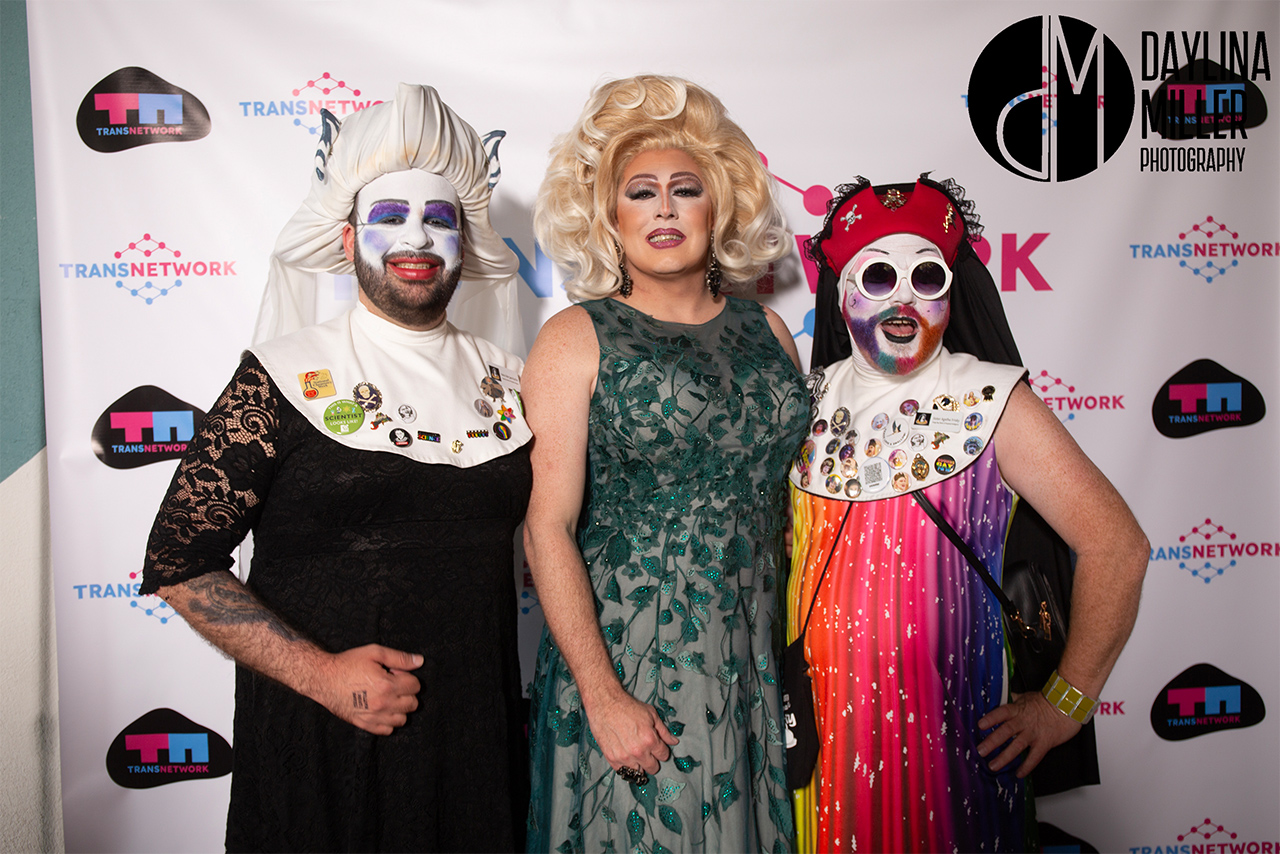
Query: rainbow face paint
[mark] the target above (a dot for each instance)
(897, 335)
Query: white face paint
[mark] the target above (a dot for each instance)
(409, 213)
(898, 334)
(408, 246)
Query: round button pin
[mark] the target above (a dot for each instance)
(343, 417)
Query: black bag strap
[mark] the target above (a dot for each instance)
(813, 600)
(1011, 610)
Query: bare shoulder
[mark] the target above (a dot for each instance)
(783, 334)
(564, 360)
(566, 341)
(1026, 417)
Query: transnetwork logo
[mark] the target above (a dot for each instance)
(1203, 699)
(1069, 401)
(119, 591)
(164, 746)
(1205, 396)
(308, 100)
(146, 425)
(1208, 249)
(1209, 837)
(133, 107)
(1208, 550)
(147, 268)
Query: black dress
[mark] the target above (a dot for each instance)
(354, 547)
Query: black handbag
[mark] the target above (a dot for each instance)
(797, 695)
(1036, 645)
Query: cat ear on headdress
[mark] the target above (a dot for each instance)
(490, 142)
(329, 127)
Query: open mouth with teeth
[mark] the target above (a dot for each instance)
(414, 268)
(664, 238)
(900, 330)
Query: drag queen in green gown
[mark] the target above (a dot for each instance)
(665, 414)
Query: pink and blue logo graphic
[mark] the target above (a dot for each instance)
(146, 425)
(1203, 699)
(1208, 550)
(310, 99)
(1205, 396)
(1067, 401)
(1208, 250)
(1209, 837)
(164, 746)
(120, 591)
(132, 107)
(148, 268)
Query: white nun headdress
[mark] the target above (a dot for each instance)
(415, 131)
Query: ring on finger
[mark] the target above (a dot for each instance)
(638, 776)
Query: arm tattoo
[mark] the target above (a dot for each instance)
(360, 699)
(222, 600)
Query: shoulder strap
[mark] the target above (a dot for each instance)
(1010, 609)
(814, 599)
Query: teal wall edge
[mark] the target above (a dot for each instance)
(21, 371)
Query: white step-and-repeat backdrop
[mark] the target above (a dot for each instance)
(1122, 157)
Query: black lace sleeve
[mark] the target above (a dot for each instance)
(216, 493)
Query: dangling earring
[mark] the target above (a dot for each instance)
(624, 286)
(713, 269)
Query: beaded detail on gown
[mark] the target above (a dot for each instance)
(692, 429)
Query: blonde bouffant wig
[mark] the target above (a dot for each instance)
(574, 215)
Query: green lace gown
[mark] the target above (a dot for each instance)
(692, 430)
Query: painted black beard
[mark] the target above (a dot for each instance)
(381, 291)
